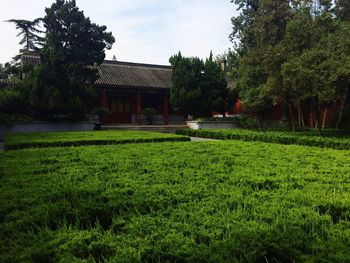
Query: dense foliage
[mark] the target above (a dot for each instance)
(62, 84)
(198, 88)
(175, 202)
(333, 139)
(242, 121)
(73, 45)
(12, 101)
(60, 139)
(9, 71)
(294, 53)
(31, 39)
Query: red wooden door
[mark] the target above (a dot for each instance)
(120, 109)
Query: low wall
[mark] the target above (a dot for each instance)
(45, 127)
(195, 125)
(159, 120)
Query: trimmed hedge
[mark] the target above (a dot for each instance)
(222, 202)
(303, 138)
(66, 139)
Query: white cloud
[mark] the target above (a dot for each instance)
(147, 31)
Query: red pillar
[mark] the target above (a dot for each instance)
(138, 109)
(166, 109)
(104, 99)
(104, 104)
(311, 121)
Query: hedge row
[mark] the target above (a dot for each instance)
(93, 142)
(272, 137)
(66, 139)
(223, 202)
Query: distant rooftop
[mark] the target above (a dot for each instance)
(124, 74)
(30, 58)
(7, 83)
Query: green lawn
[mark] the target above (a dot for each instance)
(227, 201)
(328, 138)
(50, 139)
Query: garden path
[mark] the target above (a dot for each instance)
(197, 139)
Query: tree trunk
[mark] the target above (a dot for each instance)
(302, 121)
(311, 117)
(342, 108)
(291, 116)
(299, 117)
(324, 117)
(318, 115)
(311, 120)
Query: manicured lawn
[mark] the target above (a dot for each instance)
(328, 138)
(227, 201)
(50, 139)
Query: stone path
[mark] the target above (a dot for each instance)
(197, 139)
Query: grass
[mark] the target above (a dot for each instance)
(228, 201)
(52, 139)
(328, 139)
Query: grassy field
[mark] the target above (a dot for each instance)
(51, 139)
(228, 201)
(328, 138)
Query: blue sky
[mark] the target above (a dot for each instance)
(147, 31)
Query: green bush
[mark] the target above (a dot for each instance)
(9, 119)
(149, 114)
(228, 201)
(328, 139)
(64, 139)
(243, 121)
(12, 101)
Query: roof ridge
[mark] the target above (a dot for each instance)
(33, 56)
(114, 62)
(134, 64)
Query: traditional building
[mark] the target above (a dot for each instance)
(125, 89)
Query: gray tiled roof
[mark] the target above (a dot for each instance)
(32, 59)
(7, 83)
(125, 74)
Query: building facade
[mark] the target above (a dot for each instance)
(126, 89)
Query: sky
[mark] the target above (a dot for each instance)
(146, 31)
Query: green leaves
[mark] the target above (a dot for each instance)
(198, 88)
(331, 139)
(64, 139)
(73, 45)
(31, 41)
(190, 202)
(293, 53)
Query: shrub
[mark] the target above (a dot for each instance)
(302, 138)
(219, 202)
(12, 101)
(149, 113)
(64, 139)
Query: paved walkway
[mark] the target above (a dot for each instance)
(197, 139)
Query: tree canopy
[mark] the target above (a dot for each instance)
(198, 87)
(294, 53)
(72, 47)
(8, 71)
(31, 39)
